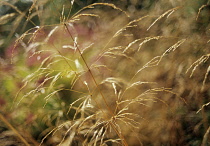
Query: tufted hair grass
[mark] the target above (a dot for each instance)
(102, 77)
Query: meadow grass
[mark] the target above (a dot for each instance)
(102, 75)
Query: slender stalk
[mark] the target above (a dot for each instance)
(205, 137)
(97, 86)
(94, 80)
(3, 119)
(77, 75)
(20, 12)
(119, 134)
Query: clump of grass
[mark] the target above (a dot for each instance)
(100, 82)
(114, 111)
